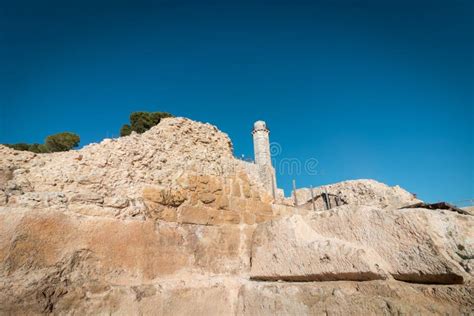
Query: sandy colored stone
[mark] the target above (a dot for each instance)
(194, 215)
(116, 201)
(92, 210)
(214, 185)
(259, 207)
(222, 202)
(248, 218)
(359, 192)
(230, 217)
(215, 300)
(157, 211)
(207, 198)
(246, 190)
(3, 198)
(164, 196)
(238, 204)
(359, 242)
(168, 214)
(354, 298)
(40, 199)
(236, 189)
(168, 222)
(289, 249)
(261, 218)
(87, 197)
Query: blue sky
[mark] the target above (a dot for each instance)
(371, 89)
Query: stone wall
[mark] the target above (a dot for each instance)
(169, 223)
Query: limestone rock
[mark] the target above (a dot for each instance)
(87, 197)
(358, 192)
(164, 196)
(39, 199)
(408, 245)
(123, 166)
(353, 298)
(3, 198)
(168, 222)
(116, 201)
(290, 250)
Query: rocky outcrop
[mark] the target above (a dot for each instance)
(290, 250)
(120, 167)
(209, 200)
(356, 192)
(169, 223)
(363, 243)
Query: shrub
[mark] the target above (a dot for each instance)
(140, 122)
(39, 148)
(57, 142)
(62, 141)
(125, 130)
(19, 146)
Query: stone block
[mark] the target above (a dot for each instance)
(248, 218)
(222, 202)
(168, 214)
(193, 215)
(259, 207)
(238, 204)
(116, 201)
(164, 196)
(236, 189)
(207, 198)
(230, 217)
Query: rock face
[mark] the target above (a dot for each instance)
(412, 245)
(357, 192)
(291, 250)
(168, 222)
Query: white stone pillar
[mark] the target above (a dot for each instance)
(261, 144)
(263, 158)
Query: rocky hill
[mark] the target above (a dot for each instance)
(168, 222)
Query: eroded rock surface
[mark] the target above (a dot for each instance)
(353, 298)
(291, 250)
(357, 192)
(364, 243)
(169, 223)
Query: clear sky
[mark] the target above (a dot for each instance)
(371, 89)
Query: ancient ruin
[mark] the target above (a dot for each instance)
(168, 222)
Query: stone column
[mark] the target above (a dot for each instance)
(263, 159)
(261, 144)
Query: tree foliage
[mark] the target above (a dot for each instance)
(58, 142)
(38, 148)
(62, 141)
(140, 122)
(125, 130)
(19, 146)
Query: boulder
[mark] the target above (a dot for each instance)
(357, 243)
(290, 250)
(357, 192)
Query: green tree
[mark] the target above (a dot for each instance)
(140, 122)
(57, 142)
(19, 146)
(38, 148)
(125, 130)
(62, 141)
